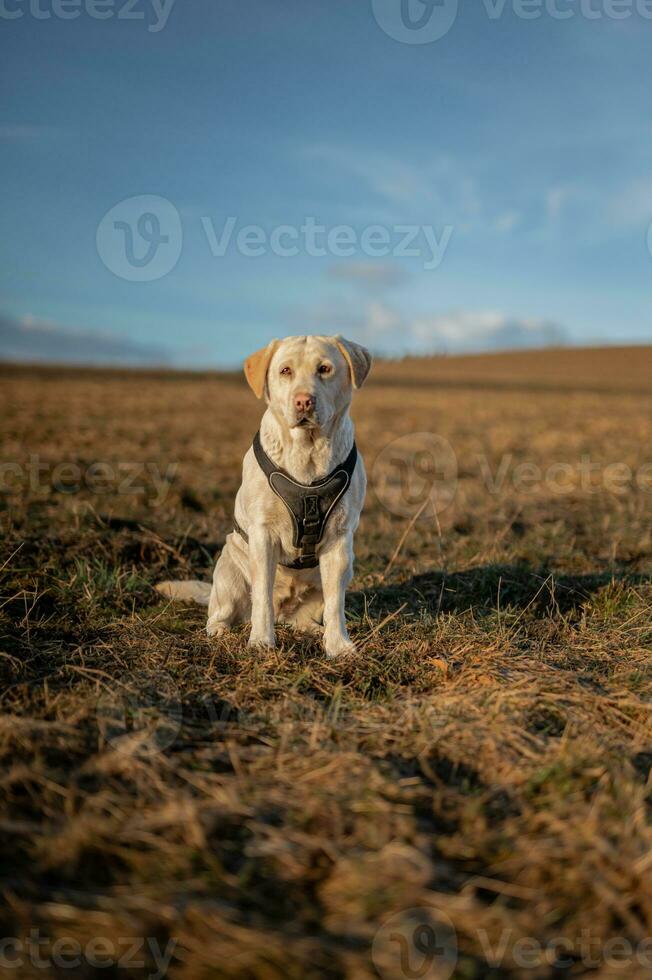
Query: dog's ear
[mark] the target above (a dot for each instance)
(255, 367)
(358, 359)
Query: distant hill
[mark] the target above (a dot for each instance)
(622, 369)
(37, 341)
(626, 370)
(54, 348)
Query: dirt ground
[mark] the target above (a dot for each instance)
(468, 796)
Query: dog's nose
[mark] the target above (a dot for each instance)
(303, 402)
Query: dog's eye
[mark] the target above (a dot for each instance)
(324, 369)
(286, 371)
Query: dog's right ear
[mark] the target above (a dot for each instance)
(256, 366)
(357, 357)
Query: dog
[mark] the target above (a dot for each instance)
(289, 557)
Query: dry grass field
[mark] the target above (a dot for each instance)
(176, 806)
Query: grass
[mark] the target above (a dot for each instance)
(484, 758)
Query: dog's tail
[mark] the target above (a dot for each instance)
(186, 591)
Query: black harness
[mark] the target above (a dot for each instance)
(309, 505)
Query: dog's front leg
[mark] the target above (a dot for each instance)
(262, 569)
(336, 568)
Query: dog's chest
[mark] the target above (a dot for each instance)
(278, 516)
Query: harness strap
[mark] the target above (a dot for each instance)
(309, 505)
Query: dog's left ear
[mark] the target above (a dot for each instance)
(358, 359)
(256, 366)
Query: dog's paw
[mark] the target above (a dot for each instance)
(309, 627)
(216, 628)
(262, 641)
(338, 647)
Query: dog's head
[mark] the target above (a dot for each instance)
(308, 380)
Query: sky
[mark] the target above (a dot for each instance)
(183, 180)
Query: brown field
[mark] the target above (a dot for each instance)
(484, 759)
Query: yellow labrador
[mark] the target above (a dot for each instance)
(290, 555)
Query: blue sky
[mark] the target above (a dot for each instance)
(523, 145)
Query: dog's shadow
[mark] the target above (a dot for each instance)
(486, 590)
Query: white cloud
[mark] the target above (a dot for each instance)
(555, 200)
(384, 330)
(598, 211)
(507, 221)
(381, 319)
(632, 205)
(369, 275)
(483, 330)
(392, 179)
(30, 135)
(437, 185)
